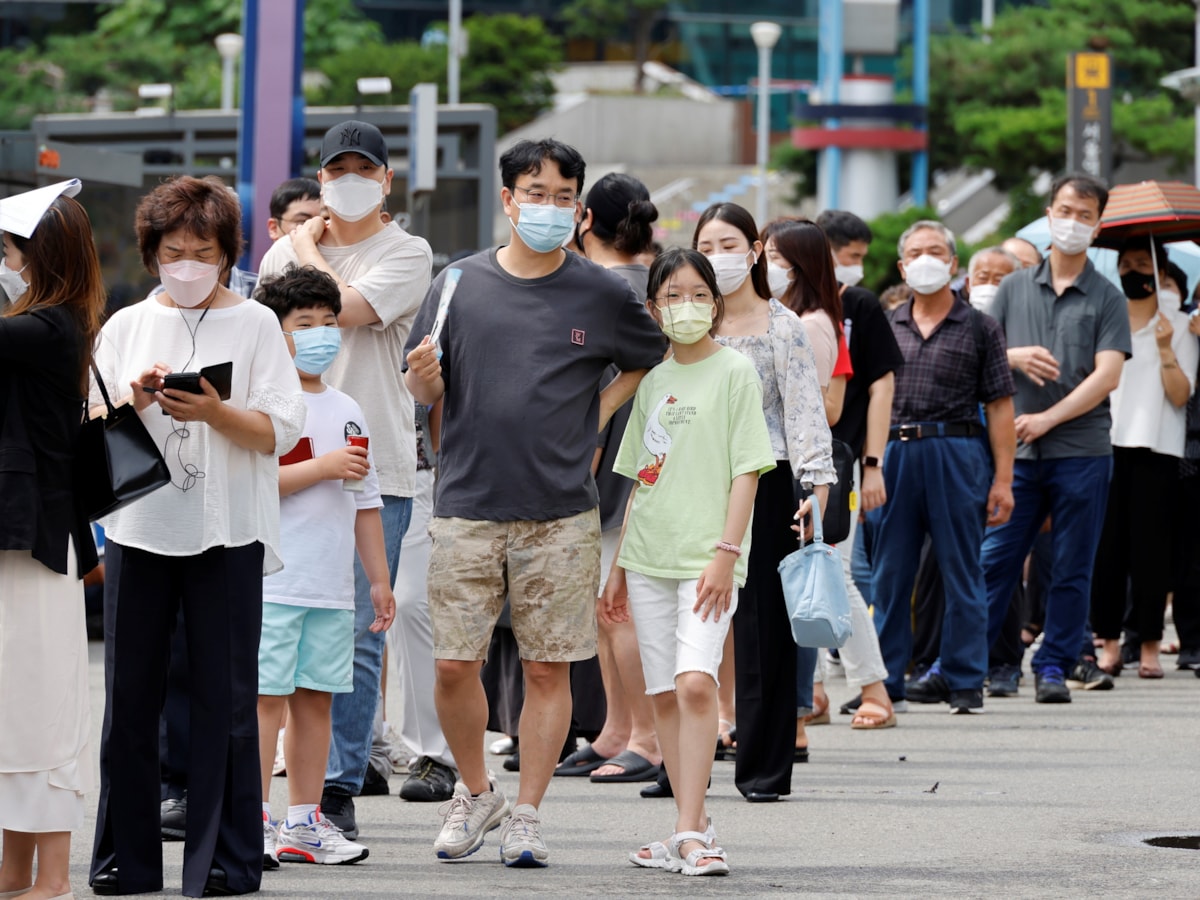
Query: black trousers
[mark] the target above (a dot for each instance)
(764, 652)
(220, 592)
(173, 731)
(1185, 605)
(1132, 548)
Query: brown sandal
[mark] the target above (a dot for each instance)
(886, 718)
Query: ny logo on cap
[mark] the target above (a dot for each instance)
(350, 137)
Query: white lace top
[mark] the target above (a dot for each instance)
(221, 494)
(792, 401)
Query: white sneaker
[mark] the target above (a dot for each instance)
(468, 819)
(521, 844)
(317, 841)
(270, 858)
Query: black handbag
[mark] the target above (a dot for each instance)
(836, 520)
(116, 460)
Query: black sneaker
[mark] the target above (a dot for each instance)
(1188, 658)
(174, 818)
(931, 688)
(969, 701)
(1004, 681)
(338, 807)
(374, 784)
(430, 781)
(1051, 686)
(1088, 676)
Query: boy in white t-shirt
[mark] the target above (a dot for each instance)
(329, 507)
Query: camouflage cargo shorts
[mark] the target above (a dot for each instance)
(549, 571)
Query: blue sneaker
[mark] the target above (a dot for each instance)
(1052, 686)
(1003, 681)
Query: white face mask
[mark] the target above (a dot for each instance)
(188, 282)
(1070, 236)
(927, 274)
(778, 279)
(352, 197)
(847, 275)
(1168, 299)
(981, 296)
(13, 284)
(731, 269)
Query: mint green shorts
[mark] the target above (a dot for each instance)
(302, 647)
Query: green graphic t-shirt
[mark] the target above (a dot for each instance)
(694, 428)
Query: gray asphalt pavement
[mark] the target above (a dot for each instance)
(1030, 801)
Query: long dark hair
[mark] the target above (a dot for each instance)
(813, 286)
(739, 217)
(64, 271)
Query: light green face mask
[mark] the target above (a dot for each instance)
(687, 322)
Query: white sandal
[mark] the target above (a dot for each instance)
(661, 856)
(690, 865)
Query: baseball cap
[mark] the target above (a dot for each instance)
(354, 137)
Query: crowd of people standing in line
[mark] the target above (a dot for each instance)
(612, 450)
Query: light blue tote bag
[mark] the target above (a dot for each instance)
(814, 589)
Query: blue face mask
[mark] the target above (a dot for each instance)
(316, 347)
(544, 228)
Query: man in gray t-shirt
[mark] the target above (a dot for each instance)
(1068, 337)
(528, 337)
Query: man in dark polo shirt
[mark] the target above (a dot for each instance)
(942, 478)
(1067, 329)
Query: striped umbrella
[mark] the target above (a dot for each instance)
(1169, 210)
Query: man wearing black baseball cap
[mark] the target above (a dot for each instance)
(383, 273)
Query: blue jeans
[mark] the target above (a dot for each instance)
(936, 486)
(1074, 494)
(860, 559)
(806, 664)
(354, 713)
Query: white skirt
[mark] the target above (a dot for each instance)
(46, 763)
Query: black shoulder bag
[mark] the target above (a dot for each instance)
(116, 460)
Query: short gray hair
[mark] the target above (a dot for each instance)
(994, 251)
(912, 229)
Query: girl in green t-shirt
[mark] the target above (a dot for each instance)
(695, 445)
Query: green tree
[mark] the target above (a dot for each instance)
(508, 65)
(603, 20)
(1002, 104)
(140, 41)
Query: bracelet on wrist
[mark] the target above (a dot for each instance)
(728, 547)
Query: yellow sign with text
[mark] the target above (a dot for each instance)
(1092, 71)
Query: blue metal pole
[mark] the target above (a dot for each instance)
(245, 156)
(271, 127)
(920, 159)
(830, 68)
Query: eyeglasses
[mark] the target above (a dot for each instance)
(538, 198)
(298, 219)
(673, 297)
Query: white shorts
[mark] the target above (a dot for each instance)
(662, 607)
(609, 542)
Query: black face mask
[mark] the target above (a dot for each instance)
(1137, 286)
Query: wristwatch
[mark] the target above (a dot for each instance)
(871, 462)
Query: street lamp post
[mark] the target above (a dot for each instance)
(229, 46)
(452, 49)
(765, 35)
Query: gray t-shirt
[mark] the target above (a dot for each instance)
(523, 361)
(1090, 316)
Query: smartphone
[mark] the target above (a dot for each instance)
(183, 381)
